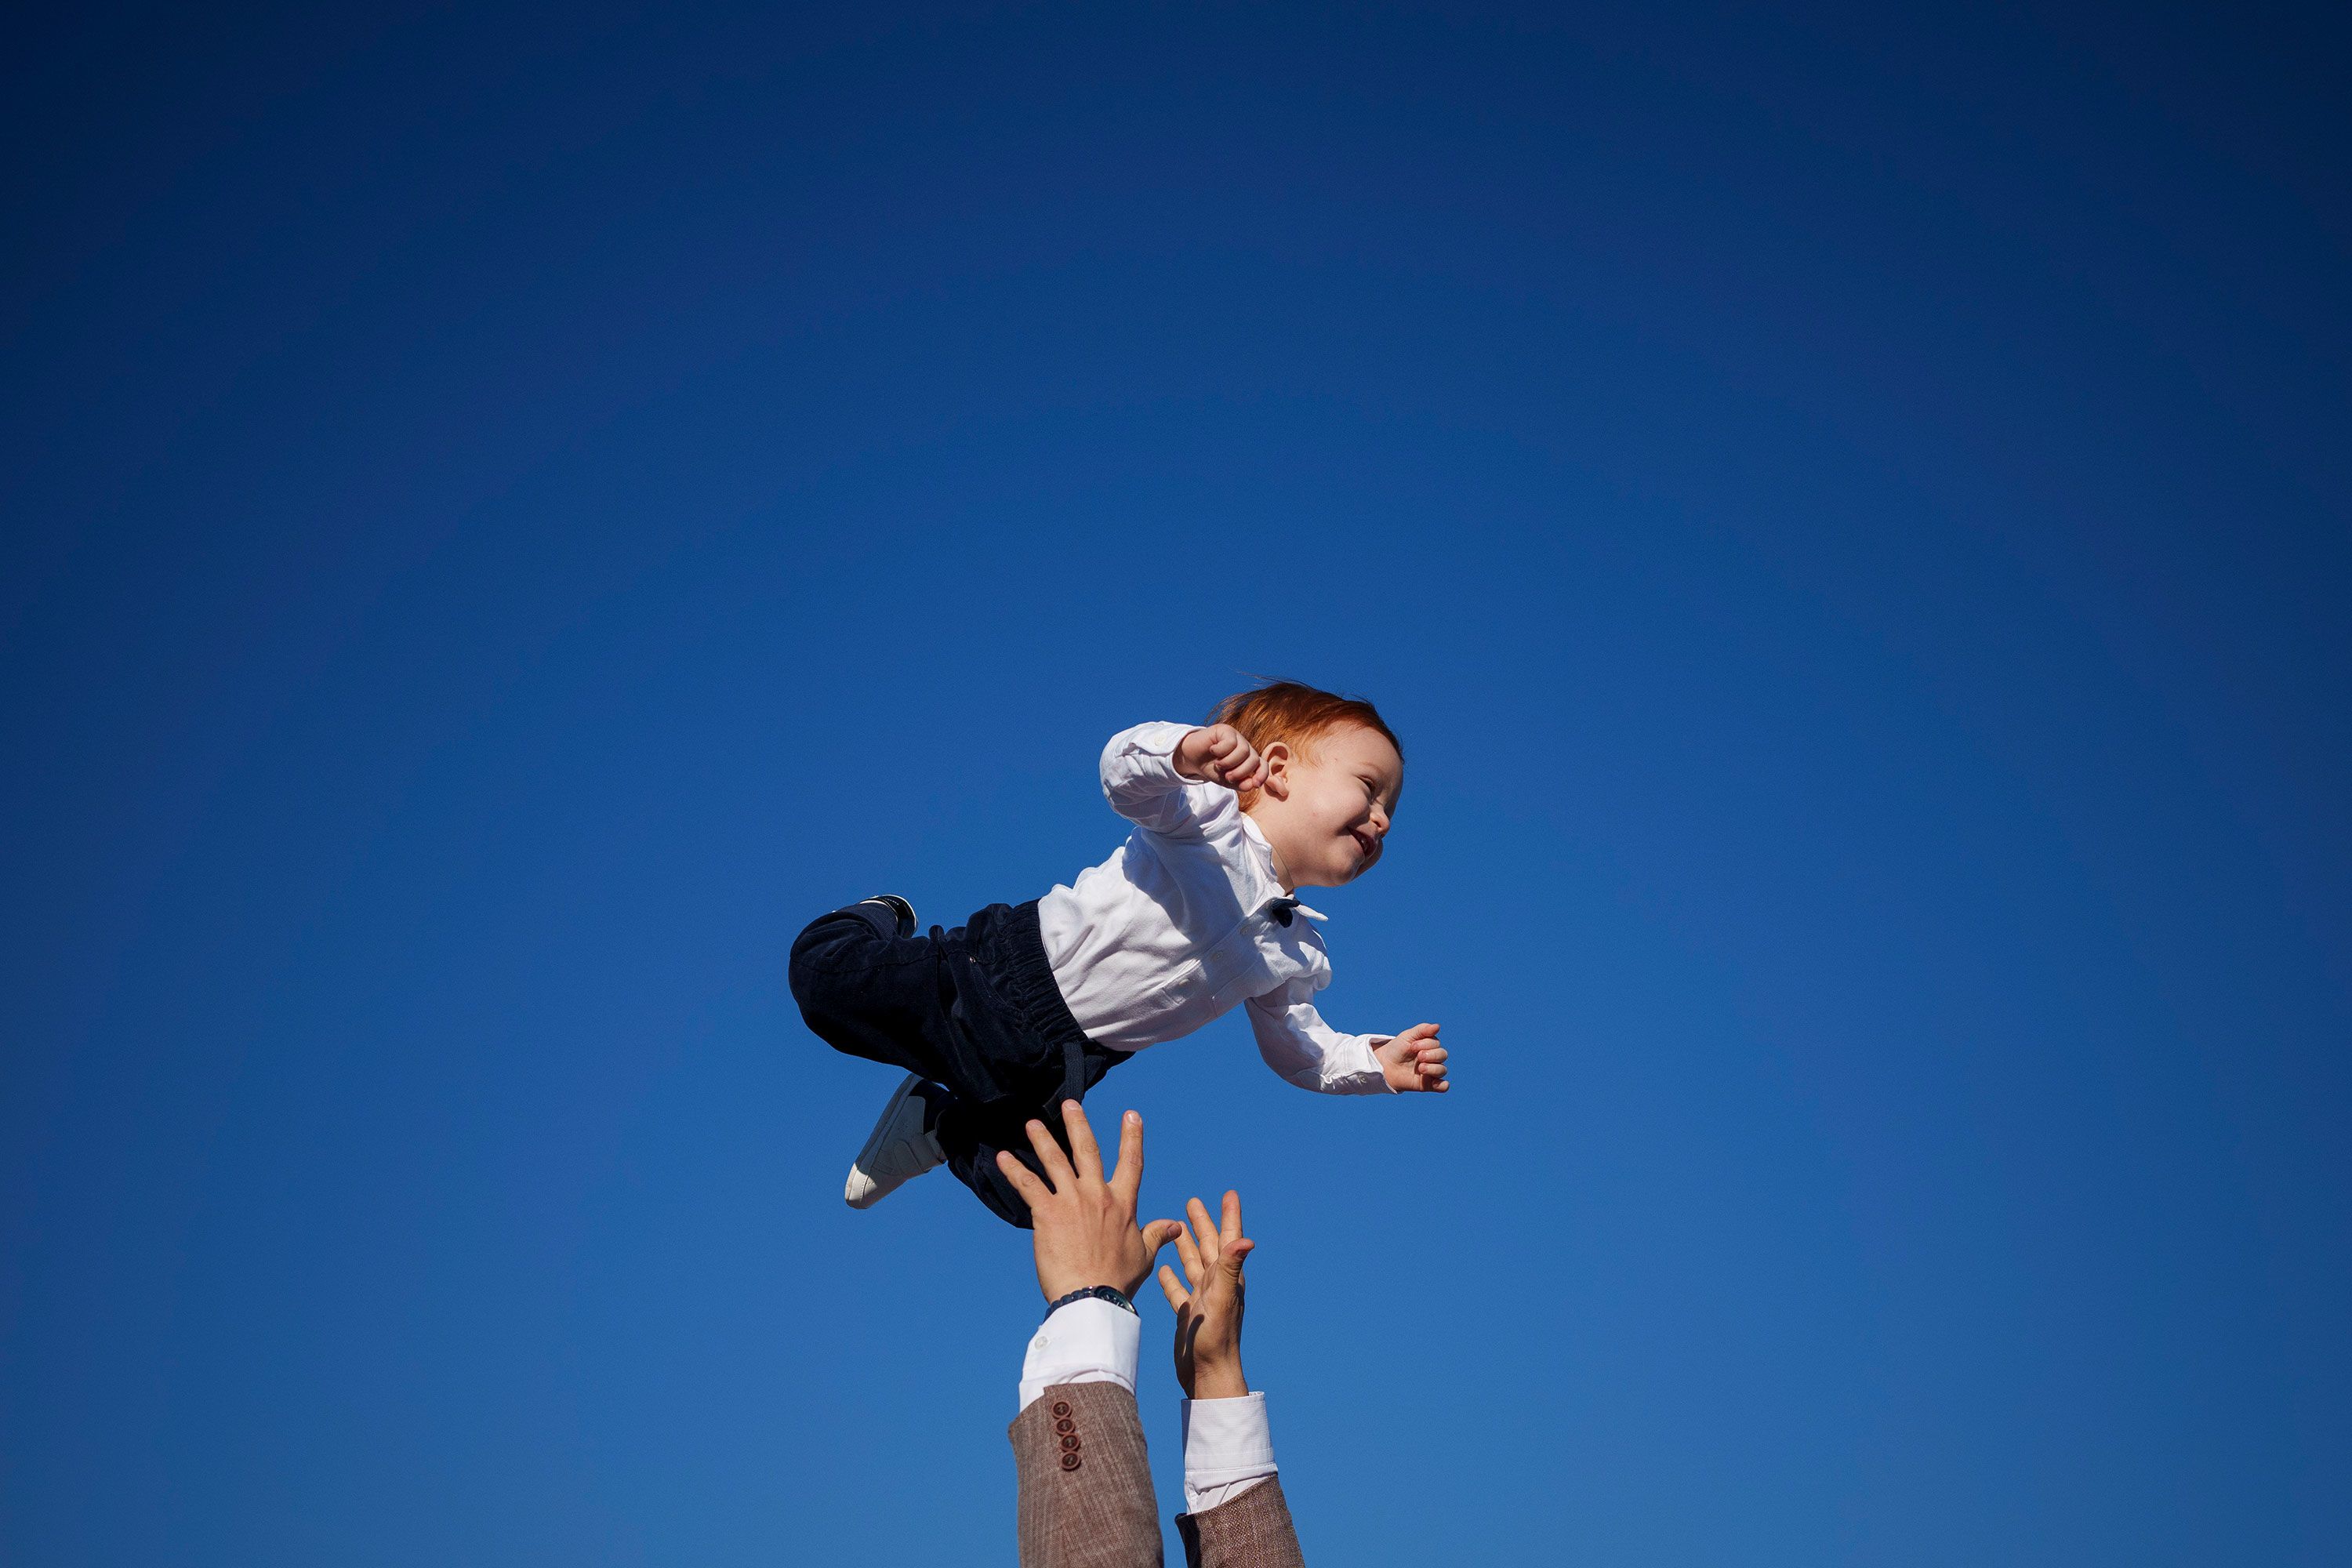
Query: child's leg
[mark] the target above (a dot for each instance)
(972, 1135)
(868, 991)
(974, 1010)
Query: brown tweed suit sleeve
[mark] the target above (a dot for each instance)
(1085, 1483)
(1253, 1531)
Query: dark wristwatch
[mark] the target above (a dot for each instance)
(1097, 1292)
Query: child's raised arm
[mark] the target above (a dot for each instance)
(1145, 769)
(1219, 753)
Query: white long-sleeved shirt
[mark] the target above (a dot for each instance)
(1227, 1446)
(1181, 924)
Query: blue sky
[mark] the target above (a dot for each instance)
(511, 513)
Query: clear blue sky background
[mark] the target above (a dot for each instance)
(510, 513)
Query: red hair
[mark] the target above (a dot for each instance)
(1297, 715)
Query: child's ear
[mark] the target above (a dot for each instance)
(1277, 770)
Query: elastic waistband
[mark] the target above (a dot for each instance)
(1005, 941)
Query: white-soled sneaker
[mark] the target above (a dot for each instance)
(900, 1148)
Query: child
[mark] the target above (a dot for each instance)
(1001, 1020)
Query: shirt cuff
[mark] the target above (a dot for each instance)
(1089, 1341)
(1352, 1068)
(1227, 1449)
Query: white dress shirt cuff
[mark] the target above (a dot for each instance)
(1355, 1067)
(1089, 1341)
(1227, 1449)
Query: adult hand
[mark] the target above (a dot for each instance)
(1220, 754)
(1085, 1227)
(1414, 1060)
(1208, 1306)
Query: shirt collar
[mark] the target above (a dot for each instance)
(1265, 864)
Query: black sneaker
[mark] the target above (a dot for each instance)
(899, 908)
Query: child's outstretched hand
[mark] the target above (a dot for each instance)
(1220, 754)
(1414, 1060)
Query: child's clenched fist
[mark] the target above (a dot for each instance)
(1414, 1060)
(1220, 754)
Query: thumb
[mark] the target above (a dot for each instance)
(1235, 1250)
(1160, 1232)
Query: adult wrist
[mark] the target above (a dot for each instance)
(1109, 1293)
(1224, 1382)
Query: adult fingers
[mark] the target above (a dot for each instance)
(1050, 1155)
(1205, 1230)
(1178, 1297)
(1190, 1256)
(1127, 1178)
(1025, 1181)
(1083, 1147)
(1229, 1225)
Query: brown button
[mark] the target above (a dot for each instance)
(1070, 1443)
(1065, 1424)
(1071, 1461)
(1062, 1407)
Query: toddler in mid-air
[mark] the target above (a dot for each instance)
(1026, 1006)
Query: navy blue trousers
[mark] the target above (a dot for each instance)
(975, 1011)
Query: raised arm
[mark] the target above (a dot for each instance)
(1085, 1498)
(1146, 771)
(1235, 1515)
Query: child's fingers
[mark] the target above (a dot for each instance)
(1050, 1155)
(1127, 1178)
(1025, 1181)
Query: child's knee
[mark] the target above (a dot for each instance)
(829, 944)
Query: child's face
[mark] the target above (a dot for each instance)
(1326, 810)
